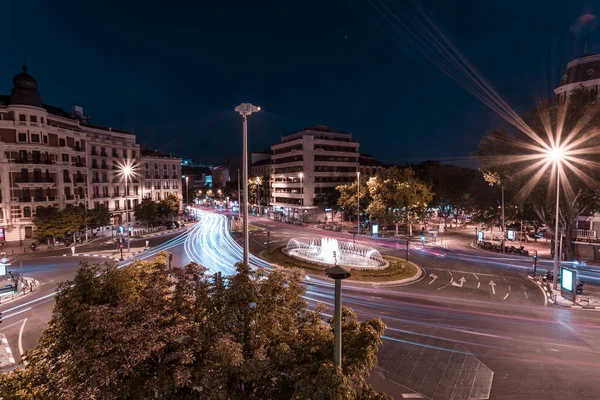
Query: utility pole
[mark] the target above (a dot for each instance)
(503, 232)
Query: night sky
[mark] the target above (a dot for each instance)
(172, 72)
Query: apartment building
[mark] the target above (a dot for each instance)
(307, 166)
(161, 175)
(49, 157)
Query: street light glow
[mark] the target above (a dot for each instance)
(301, 175)
(556, 154)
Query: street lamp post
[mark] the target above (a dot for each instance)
(503, 225)
(245, 109)
(301, 175)
(187, 190)
(358, 202)
(127, 170)
(337, 273)
(556, 154)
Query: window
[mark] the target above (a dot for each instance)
(65, 157)
(133, 154)
(22, 117)
(148, 185)
(114, 152)
(42, 120)
(146, 165)
(165, 167)
(33, 118)
(22, 137)
(45, 139)
(27, 212)
(135, 190)
(174, 167)
(157, 185)
(61, 142)
(124, 153)
(35, 138)
(175, 186)
(117, 204)
(165, 184)
(155, 166)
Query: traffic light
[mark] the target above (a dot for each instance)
(120, 245)
(535, 254)
(0, 317)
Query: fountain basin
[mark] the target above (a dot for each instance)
(347, 254)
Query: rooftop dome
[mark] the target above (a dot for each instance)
(24, 90)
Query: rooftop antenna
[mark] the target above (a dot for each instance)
(585, 46)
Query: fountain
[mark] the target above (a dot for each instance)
(348, 254)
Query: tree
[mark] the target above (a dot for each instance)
(257, 188)
(348, 196)
(519, 159)
(98, 217)
(147, 211)
(146, 331)
(51, 223)
(169, 207)
(398, 195)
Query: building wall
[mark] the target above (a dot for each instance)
(161, 177)
(325, 158)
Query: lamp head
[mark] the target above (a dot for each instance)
(556, 154)
(247, 109)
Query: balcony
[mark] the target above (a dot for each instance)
(70, 197)
(27, 161)
(95, 180)
(96, 196)
(104, 167)
(95, 166)
(79, 180)
(78, 164)
(584, 234)
(94, 153)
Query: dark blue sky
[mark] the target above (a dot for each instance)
(172, 72)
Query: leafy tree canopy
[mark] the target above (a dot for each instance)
(149, 332)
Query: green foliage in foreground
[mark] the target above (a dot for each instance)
(145, 332)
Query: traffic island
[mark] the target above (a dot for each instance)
(397, 272)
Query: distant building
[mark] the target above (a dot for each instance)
(581, 72)
(369, 166)
(262, 169)
(324, 157)
(235, 164)
(161, 174)
(220, 176)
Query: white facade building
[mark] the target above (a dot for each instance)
(308, 165)
(51, 158)
(161, 175)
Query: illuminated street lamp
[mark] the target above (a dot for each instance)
(245, 109)
(126, 170)
(301, 176)
(556, 155)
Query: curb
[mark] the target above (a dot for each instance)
(103, 256)
(402, 282)
(551, 299)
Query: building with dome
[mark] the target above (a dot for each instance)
(581, 72)
(49, 157)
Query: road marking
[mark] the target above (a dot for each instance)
(449, 272)
(412, 396)
(50, 281)
(440, 288)
(11, 359)
(524, 291)
(21, 352)
(475, 275)
(462, 281)
(478, 284)
(493, 285)
(434, 276)
(506, 296)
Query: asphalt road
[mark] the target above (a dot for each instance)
(447, 337)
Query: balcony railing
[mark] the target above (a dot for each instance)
(70, 197)
(584, 233)
(67, 180)
(33, 180)
(103, 154)
(94, 153)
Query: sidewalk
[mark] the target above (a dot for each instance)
(588, 300)
(22, 289)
